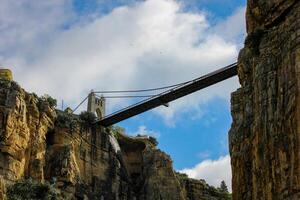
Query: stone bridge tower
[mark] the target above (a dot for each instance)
(96, 105)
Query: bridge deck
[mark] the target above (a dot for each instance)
(170, 95)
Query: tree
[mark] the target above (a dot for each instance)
(223, 187)
(117, 130)
(32, 190)
(52, 102)
(87, 118)
(66, 120)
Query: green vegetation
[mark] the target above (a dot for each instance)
(66, 120)
(5, 83)
(153, 140)
(181, 176)
(70, 121)
(31, 190)
(87, 118)
(220, 192)
(223, 189)
(35, 95)
(44, 100)
(51, 101)
(116, 131)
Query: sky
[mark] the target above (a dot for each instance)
(65, 48)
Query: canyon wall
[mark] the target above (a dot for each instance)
(265, 133)
(81, 160)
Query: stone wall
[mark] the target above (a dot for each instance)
(264, 137)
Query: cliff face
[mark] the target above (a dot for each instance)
(81, 160)
(23, 128)
(264, 138)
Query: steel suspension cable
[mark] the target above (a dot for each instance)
(81, 103)
(124, 96)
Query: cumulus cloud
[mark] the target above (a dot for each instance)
(25, 25)
(212, 171)
(147, 44)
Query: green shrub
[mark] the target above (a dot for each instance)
(66, 120)
(31, 190)
(87, 118)
(5, 83)
(35, 95)
(181, 177)
(116, 130)
(47, 98)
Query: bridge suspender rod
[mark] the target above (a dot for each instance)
(170, 95)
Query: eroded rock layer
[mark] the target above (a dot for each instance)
(264, 138)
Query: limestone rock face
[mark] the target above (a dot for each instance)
(161, 181)
(24, 123)
(82, 161)
(264, 137)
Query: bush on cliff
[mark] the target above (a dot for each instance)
(116, 130)
(50, 100)
(32, 190)
(66, 120)
(87, 118)
(45, 100)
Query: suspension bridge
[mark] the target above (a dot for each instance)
(172, 93)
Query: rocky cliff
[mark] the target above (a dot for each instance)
(264, 138)
(81, 160)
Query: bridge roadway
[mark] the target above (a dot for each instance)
(170, 95)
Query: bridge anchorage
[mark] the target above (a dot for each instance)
(96, 104)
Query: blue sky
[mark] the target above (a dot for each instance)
(130, 44)
(216, 8)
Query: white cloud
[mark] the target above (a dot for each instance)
(147, 44)
(26, 24)
(233, 28)
(212, 171)
(142, 130)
